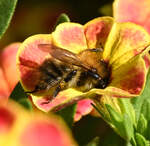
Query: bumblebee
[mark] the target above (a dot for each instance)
(65, 69)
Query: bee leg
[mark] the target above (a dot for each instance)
(34, 91)
(37, 88)
(58, 89)
(94, 75)
(96, 50)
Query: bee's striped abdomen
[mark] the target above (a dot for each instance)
(51, 73)
(70, 76)
(82, 79)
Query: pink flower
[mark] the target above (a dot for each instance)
(136, 11)
(19, 127)
(8, 72)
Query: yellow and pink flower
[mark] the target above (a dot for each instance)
(136, 11)
(125, 49)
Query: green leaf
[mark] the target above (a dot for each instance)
(141, 103)
(145, 110)
(121, 123)
(21, 97)
(148, 131)
(25, 102)
(140, 140)
(142, 125)
(94, 142)
(7, 8)
(128, 127)
(127, 108)
(102, 114)
(62, 18)
(18, 93)
(128, 144)
(67, 114)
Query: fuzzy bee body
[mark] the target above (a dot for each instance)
(65, 69)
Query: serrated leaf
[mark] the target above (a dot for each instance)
(126, 107)
(141, 103)
(122, 123)
(142, 125)
(7, 8)
(140, 140)
(115, 116)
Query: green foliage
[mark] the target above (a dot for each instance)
(62, 18)
(7, 8)
(67, 114)
(141, 104)
(132, 121)
(142, 125)
(127, 108)
(140, 140)
(94, 142)
(122, 123)
(21, 97)
(18, 93)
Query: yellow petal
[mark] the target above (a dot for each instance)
(131, 76)
(70, 36)
(125, 41)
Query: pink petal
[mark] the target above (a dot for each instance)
(97, 30)
(136, 11)
(29, 59)
(84, 107)
(7, 119)
(44, 133)
(8, 62)
(4, 89)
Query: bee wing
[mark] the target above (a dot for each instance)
(63, 55)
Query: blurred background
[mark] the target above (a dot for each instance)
(39, 16)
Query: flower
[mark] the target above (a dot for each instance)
(125, 49)
(25, 128)
(8, 72)
(136, 11)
